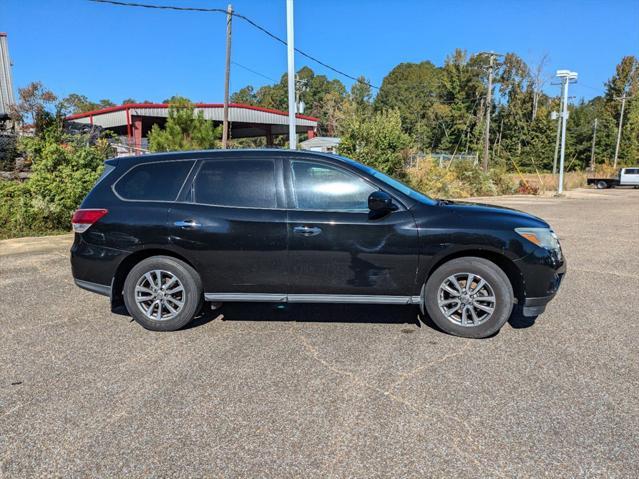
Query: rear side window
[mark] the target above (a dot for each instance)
(632, 171)
(153, 181)
(243, 183)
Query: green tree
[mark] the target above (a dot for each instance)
(625, 81)
(323, 97)
(457, 114)
(245, 96)
(412, 89)
(76, 103)
(184, 129)
(35, 105)
(515, 87)
(377, 140)
(361, 96)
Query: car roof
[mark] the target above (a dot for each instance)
(231, 153)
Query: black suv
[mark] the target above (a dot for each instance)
(163, 233)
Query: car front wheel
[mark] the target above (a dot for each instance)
(162, 293)
(470, 297)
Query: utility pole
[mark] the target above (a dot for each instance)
(592, 149)
(300, 86)
(566, 76)
(623, 104)
(227, 76)
(489, 99)
(292, 139)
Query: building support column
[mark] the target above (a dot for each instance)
(269, 136)
(128, 130)
(137, 134)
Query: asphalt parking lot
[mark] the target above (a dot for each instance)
(328, 391)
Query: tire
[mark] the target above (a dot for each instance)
(143, 281)
(602, 185)
(496, 285)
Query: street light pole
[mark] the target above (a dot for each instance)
(566, 76)
(292, 139)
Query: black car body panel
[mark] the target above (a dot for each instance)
(354, 254)
(239, 250)
(282, 252)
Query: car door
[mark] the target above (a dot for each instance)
(337, 250)
(630, 176)
(232, 225)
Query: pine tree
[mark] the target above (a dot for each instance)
(184, 129)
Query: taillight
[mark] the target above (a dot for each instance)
(82, 219)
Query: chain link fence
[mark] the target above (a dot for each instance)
(442, 159)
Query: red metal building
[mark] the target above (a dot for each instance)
(134, 120)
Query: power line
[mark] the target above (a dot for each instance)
(242, 17)
(590, 87)
(253, 71)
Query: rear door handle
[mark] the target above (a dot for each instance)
(307, 230)
(187, 224)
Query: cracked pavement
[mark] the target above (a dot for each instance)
(328, 390)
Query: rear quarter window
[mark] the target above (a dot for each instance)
(159, 181)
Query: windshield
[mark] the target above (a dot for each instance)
(392, 182)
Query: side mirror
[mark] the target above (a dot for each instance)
(380, 202)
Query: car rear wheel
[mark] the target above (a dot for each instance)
(602, 185)
(163, 293)
(470, 297)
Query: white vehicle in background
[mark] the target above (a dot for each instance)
(626, 177)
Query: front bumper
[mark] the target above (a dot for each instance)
(535, 306)
(542, 274)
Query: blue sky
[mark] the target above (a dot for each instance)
(105, 51)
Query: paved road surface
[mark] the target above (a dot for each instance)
(328, 391)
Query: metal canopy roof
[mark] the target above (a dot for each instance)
(246, 120)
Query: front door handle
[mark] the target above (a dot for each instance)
(187, 224)
(307, 230)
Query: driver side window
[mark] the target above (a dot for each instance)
(318, 186)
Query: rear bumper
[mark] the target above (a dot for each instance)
(93, 267)
(103, 289)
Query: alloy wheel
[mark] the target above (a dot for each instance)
(466, 299)
(160, 295)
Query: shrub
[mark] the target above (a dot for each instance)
(376, 140)
(64, 168)
(457, 180)
(526, 188)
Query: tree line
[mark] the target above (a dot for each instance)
(428, 109)
(443, 109)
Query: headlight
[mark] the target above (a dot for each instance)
(543, 237)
